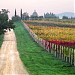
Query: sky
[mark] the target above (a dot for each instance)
(41, 6)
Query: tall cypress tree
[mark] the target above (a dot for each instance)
(21, 13)
(15, 12)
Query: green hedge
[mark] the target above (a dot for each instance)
(1, 39)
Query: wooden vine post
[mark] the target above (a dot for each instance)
(74, 57)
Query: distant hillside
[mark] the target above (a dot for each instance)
(68, 14)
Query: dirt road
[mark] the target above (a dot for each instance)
(10, 63)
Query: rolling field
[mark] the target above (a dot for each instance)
(36, 59)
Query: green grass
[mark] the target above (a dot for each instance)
(1, 39)
(36, 59)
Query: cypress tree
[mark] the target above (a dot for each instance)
(15, 12)
(21, 13)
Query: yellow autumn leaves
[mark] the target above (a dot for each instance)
(54, 33)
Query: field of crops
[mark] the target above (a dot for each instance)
(63, 35)
(53, 23)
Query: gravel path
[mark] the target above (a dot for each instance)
(10, 63)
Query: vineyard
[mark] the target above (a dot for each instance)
(62, 33)
(57, 40)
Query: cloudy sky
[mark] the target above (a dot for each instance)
(41, 6)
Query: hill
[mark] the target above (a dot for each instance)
(68, 14)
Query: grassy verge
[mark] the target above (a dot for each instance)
(1, 39)
(36, 59)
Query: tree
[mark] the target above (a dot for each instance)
(21, 13)
(17, 18)
(11, 25)
(40, 17)
(64, 17)
(15, 12)
(4, 20)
